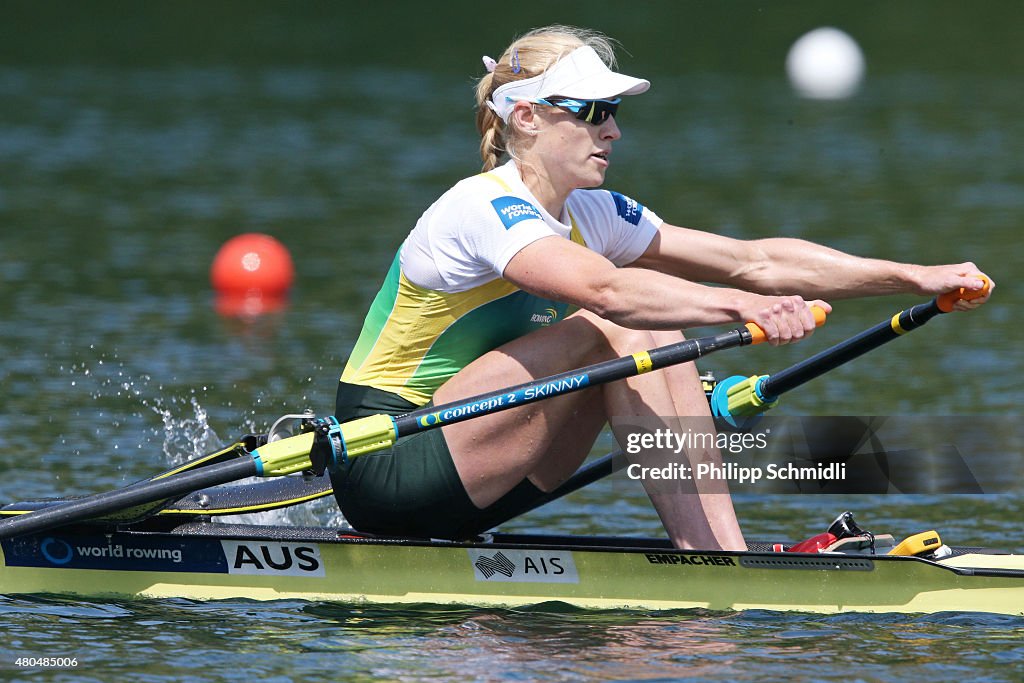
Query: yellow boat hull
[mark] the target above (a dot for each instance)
(221, 562)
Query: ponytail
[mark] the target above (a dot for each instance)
(492, 138)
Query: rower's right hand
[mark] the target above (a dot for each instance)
(785, 319)
(976, 286)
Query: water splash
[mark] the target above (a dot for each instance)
(187, 437)
(124, 398)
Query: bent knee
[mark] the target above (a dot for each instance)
(616, 340)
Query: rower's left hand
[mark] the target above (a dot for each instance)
(935, 280)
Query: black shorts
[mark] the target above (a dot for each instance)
(413, 489)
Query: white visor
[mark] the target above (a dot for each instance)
(581, 74)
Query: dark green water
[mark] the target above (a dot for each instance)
(133, 143)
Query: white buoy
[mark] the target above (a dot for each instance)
(825, 64)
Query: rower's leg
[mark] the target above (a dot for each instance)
(705, 517)
(546, 441)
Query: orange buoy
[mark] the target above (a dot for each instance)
(251, 274)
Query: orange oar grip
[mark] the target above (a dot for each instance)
(757, 335)
(946, 301)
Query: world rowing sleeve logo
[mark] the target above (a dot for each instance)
(628, 209)
(511, 210)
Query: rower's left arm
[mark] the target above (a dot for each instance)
(786, 266)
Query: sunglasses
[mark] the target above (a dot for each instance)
(594, 112)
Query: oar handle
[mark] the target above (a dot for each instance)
(757, 335)
(946, 301)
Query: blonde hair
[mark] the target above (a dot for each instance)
(533, 53)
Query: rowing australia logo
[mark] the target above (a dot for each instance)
(550, 315)
(524, 566)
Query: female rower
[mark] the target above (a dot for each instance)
(481, 296)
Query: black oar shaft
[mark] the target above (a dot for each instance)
(586, 475)
(829, 359)
(567, 382)
(130, 496)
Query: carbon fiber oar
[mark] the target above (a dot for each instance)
(741, 397)
(329, 442)
(587, 474)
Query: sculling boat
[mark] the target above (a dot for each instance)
(210, 561)
(157, 538)
(183, 551)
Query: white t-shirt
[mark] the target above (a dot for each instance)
(468, 236)
(444, 303)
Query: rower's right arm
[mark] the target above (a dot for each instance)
(638, 298)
